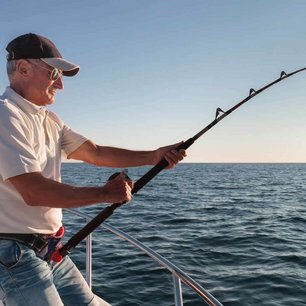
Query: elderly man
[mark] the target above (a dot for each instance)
(31, 194)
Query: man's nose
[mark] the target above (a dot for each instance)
(59, 84)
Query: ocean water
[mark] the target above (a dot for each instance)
(238, 229)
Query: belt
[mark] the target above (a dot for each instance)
(34, 241)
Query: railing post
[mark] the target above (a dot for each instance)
(89, 260)
(177, 287)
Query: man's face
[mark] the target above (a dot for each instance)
(41, 89)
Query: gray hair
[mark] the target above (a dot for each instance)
(11, 67)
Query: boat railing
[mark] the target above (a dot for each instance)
(178, 276)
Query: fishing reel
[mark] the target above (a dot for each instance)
(125, 173)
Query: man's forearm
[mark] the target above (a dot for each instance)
(122, 158)
(37, 190)
(104, 156)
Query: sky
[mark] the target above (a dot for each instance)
(153, 72)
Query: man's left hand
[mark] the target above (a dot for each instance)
(170, 154)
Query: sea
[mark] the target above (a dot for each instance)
(239, 230)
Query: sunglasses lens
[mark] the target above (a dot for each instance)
(55, 74)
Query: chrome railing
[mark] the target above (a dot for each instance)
(178, 275)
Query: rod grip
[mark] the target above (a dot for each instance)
(87, 229)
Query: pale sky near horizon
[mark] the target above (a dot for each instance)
(154, 72)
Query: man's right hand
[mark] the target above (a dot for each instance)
(118, 189)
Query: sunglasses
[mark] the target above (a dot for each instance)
(54, 74)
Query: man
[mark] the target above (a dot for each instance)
(31, 194)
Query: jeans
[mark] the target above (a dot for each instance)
(27, 280)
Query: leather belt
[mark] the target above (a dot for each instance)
(34, 241)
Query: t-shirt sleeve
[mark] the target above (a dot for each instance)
(71, 140)
(17, 156)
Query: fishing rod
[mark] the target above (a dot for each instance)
(147, 177)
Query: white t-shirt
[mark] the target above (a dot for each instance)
(31, 140)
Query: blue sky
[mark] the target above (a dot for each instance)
(154, 72)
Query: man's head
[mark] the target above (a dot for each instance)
(33, 46)
(35, 67)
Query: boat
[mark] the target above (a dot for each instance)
(178, 275)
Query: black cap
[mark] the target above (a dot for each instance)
(33, 46)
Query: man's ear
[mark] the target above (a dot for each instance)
(23, 67)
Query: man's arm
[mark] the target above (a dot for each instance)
(121, 158)
(37, 190)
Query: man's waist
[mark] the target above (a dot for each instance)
(35, 241)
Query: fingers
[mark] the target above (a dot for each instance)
(128, 192)
(130, 183)
(173, 157)
(127, 186)
(127, 179)
(119, 189)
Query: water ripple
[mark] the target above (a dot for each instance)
(237, 229)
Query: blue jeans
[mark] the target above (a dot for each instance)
(27, 280)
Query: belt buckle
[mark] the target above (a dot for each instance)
(38, 243)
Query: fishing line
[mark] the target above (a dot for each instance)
(147, 177)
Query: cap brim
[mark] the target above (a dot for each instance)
(69, 69)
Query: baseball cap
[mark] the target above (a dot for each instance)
(33, 46)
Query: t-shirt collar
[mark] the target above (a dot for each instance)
(21, 102)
